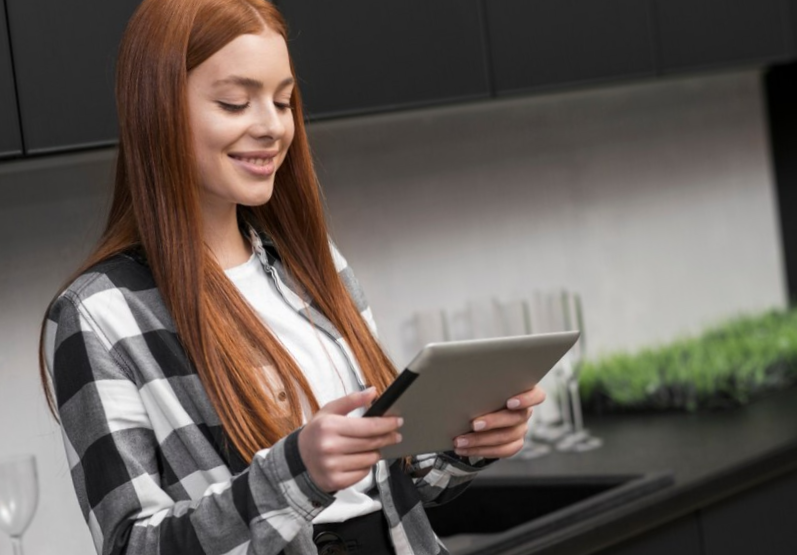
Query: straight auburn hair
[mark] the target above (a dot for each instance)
(155, 207)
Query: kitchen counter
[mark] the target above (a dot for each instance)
(713, 456)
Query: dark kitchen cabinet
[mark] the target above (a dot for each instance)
(760, 520)
(10, 139)
(64, 55)
(681, 536)
(544, 43)
(355, 56)
(696, 34)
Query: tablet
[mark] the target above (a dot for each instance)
(447, 385)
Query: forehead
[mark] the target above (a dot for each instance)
(263, 56)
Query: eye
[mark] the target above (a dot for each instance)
(233, 107)
(283, 105)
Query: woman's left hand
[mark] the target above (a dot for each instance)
(500, 434)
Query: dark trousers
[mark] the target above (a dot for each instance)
(364, 535)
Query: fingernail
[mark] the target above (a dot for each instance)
(461, 452)
(479, 425)
(400, 421)
(398, 438)
(462, 442)
(369, 390)
(513, 403)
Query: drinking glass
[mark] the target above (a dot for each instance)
(19, 496)
(579, 439)
(549, 419)
(514, 319)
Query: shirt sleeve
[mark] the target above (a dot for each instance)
(116, 465)
(440, 477)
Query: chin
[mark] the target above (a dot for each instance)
(258, 200)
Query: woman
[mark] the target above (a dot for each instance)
(189, 358)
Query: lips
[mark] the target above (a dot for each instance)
(260, 163)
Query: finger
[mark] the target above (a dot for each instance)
(530, 398)
(345, 405)
(370, 427)
(500, 419)
(493, 451)
(492, 438)
(358, 461)
(352, 445)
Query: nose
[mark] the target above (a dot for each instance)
(269, 124)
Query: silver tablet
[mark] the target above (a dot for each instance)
(447, 385)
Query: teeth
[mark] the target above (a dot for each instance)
(256, 161)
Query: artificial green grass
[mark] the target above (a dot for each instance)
(726, 366)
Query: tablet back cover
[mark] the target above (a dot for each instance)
(461, 380)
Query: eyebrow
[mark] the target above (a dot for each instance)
(249, 83)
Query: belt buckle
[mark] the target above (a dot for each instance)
(329, 543)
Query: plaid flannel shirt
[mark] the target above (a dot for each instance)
(148, 455)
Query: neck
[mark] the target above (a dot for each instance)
(222, 236)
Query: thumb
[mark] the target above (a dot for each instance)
(345, 405)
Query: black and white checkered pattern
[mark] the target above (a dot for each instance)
(148, 456)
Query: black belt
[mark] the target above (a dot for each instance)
(366, 535)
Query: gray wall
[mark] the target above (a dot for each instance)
(655, 200)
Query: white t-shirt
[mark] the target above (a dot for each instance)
(322, 362)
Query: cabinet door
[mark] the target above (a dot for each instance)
(706, 33)
(681, 537)
(10, 140)
(543, 43)
(362, 55)
(64, 56)
(761, 520)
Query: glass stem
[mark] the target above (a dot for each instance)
(575, 400)
(16, 542)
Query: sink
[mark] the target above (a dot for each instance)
(497, 512)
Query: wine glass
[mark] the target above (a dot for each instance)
(579, 439)
(19, 496)
(550, 419)
(515, 319)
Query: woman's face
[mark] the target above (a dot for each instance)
(239, 107)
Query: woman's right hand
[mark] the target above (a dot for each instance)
(339, 450)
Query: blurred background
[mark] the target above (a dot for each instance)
(640, 152)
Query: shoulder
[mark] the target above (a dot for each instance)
(341, 264)
(347, 276)
(110, 314)
(352, 285)
(123, 271)
(120, 273)
(109, 294)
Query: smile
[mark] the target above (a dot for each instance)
(257, 165)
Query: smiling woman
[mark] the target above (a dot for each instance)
(239, 102)
(209, 361)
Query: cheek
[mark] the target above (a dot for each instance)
(214, 134)
(211, 137)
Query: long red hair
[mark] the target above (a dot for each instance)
(156, 207)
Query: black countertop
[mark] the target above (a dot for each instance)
(712, 455)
